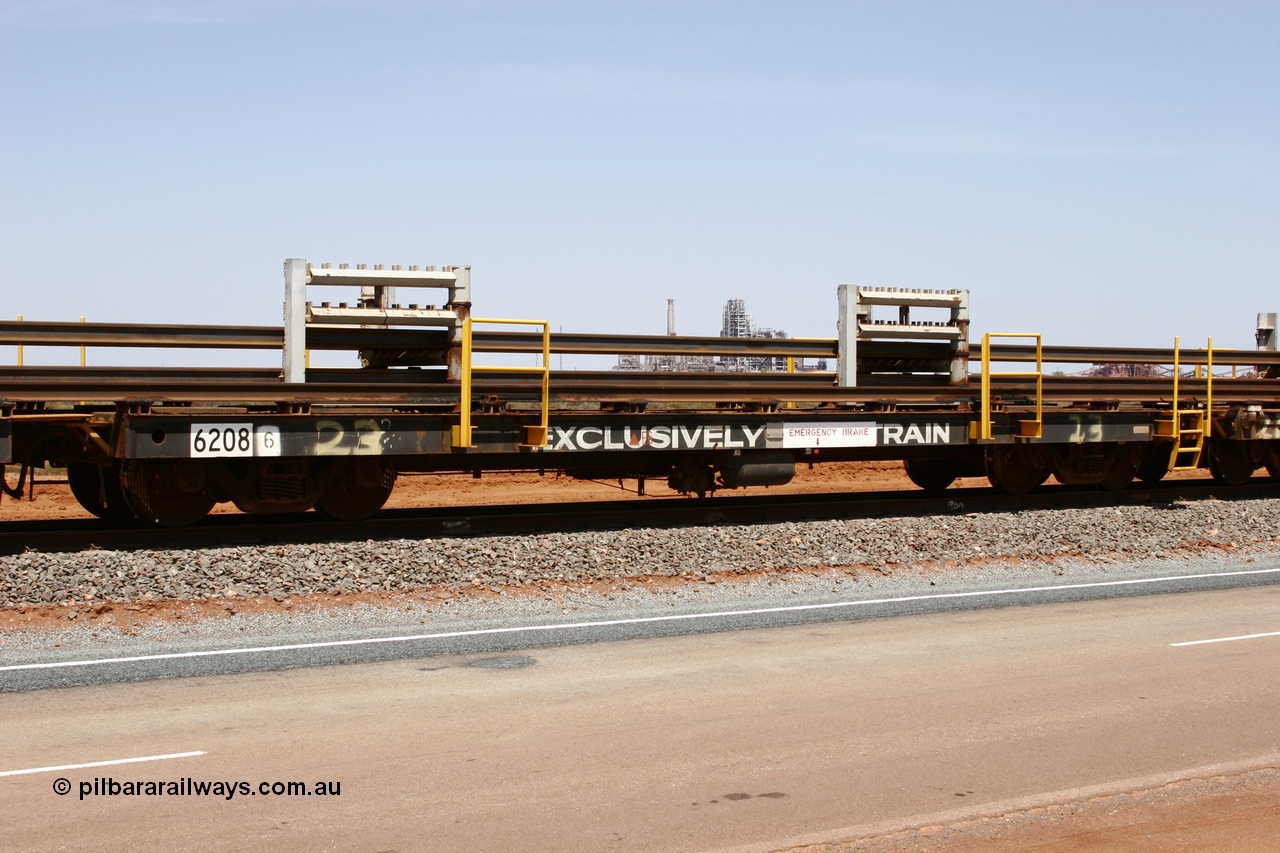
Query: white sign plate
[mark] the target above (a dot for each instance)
(851, 434)
(222, 441)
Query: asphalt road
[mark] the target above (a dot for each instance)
(515, 627)
(750, 739)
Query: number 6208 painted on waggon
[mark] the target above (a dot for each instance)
(225, 440)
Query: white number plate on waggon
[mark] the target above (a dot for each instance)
(223, 440)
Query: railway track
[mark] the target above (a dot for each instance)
(232, 530)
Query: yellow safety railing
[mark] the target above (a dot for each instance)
(1187, 427)
(791, 368)
(1208, 387)
(535, 436)
(1026, 429)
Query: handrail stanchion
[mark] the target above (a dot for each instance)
(1208, 391)
(535, 436)
(1026, 429)
(1184, 456)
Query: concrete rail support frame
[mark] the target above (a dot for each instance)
(1266, 335)
(375, 308)
(295, 320)
(847, 336)
(855, 322)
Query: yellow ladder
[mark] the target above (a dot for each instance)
(535, 436)
(1026, 428)
(1187, 427)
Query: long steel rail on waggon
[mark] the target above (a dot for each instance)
(391, 385)
(74, 384)
(233, 529)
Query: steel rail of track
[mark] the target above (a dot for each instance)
(233, 530)
(322, 337)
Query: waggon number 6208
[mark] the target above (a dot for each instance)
(223, 440)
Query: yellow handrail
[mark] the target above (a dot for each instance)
(535, 436)
(1208, 390)
(984, 429)
(791, 368)
(1203, 422)
(1176, 374)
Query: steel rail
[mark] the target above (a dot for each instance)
(1133, 355)
(340, 338)
(66, 385)
(337, 338)
(225, 530)
(93, 377)
(28, 333)
(35, 375)
(686, 345)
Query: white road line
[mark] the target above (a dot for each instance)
(607, 623)
(98, 763)
(1227, 639)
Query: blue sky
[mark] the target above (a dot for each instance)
(1105, 173)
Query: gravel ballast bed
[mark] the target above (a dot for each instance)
(34, 578)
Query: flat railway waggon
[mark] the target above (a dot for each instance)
(164, 445)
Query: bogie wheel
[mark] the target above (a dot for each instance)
(167, 493)
(1231, 463)
(932, 475)
(1017, 469)
(359, 489)
(97, 489)
(1121, 467)
(1155, 464)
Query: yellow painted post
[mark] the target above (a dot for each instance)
(463, 438)
(985, 432)
(536, 436)
(1177, 413)
(1208, 394)
(985, 427)
(19, 345)
(1039, 389)
(545, 429)
(82, 349)
(1176, 372)
(791, 368)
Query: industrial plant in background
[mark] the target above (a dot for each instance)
(736, 323)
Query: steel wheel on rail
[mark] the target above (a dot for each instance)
(932, 475)
(97, 489)
(1155, 463)
(1231, 463)
(167, 493)
(1016, 469)
(359, 489)
(1122, 466)
(1272, 463)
